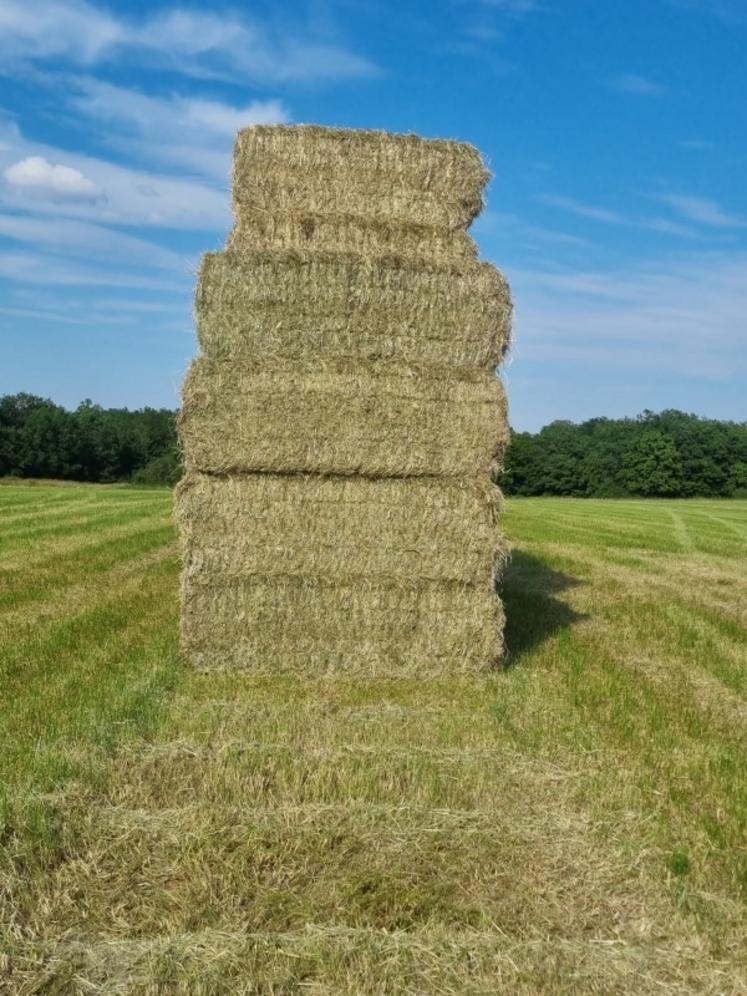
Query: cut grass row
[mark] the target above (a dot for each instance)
(574, 823)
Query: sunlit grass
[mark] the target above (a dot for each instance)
(574, 823)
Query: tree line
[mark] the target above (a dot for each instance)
(670, 454)
(666, 455)
(41, 439)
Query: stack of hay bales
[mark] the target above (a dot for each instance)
(342, 424)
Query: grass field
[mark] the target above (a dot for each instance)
(573, 824)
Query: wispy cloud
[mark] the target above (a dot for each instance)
(633, 83)
(191, 133)
(663, 225)
(77, 303)
(52, 29)
(228, 46)
(582, 210)
(491, 223)
(729, 11)
(668, 227)
(38, 268)
(685, 318)
(701, 210)
(77, 238)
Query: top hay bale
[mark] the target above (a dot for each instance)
(314, 172)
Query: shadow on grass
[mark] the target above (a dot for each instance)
(534, 613)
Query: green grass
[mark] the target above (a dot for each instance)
(573, 824)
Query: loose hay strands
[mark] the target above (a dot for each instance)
(380, 420)
(339, 528)
(302, 305)
(347, 233)
(305, 168)
(298, 624)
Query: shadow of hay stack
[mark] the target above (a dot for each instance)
(342, 423)
(533, 613)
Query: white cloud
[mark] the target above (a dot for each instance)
(633, 83)
(185, 40)
(701, 210)
(133, 197)
(194, 134)
(582, 210)
(52, 180)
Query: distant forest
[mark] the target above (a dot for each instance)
(41, 439)
(670, 454)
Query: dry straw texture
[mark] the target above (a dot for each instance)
(340, 428)
(348, 233)
(344, 528)
(302, 624)
(341, 418)
(321, 171)
(310, 305)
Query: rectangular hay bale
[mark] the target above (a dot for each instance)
(305, 624)
(294, 305)
(339, 528)
(376, 419)
(320, 171)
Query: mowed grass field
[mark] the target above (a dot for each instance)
(573, 824)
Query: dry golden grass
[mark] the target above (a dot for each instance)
(572, 825)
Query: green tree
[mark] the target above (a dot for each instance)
(41, 439)
(738, 479)
(164, 469)
(652, 465)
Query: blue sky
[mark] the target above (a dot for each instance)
(617, 135)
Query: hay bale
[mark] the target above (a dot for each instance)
(294, 305)
(300, 624)
(341, 428)
(339, 528)
(341, 417)
(305, 169)
(348, 233)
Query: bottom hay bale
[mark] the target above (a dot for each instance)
(302, 624)
(389, 529)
